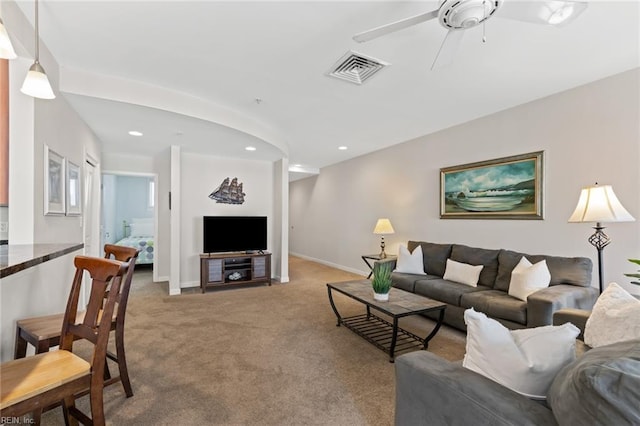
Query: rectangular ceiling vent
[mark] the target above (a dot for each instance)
(356, 67)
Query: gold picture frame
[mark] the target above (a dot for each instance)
(503, 188)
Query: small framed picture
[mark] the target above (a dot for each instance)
(74, 190)
(54, 183)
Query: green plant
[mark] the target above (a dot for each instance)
(381, 281)
(637, 262)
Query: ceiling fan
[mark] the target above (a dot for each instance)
(459, 15)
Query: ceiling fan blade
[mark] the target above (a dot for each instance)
(394, 26)
(549, 12)
(448, 50)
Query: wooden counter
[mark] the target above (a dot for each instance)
(18, 257)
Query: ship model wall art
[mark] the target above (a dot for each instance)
(229, 192)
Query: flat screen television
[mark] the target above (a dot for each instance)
(234, 233)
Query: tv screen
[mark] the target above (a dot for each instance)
(234, 233)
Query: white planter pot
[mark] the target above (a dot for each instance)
(382, 297)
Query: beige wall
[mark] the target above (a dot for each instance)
(588, 134)
(200, 176)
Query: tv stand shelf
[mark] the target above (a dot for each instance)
(227, 269)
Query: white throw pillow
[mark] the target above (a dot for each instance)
(615, 317)
(527, 278)
(462, 273)
(525, 361)
(144, 229)
(410, 263)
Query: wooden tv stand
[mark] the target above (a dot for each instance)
(227, 269)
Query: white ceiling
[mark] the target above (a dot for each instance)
(225, 55)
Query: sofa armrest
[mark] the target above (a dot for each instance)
(577, 317)
(543, 303)
(433, 391)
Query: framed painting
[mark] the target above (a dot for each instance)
(54, 183)
(504, 188)
(73, 194)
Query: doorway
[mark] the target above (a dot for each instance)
(129, 214)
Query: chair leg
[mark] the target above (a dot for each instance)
(67, 404)
(97, 405)
(43, 346)
(36, 416)
(122, 363)
(20, 347)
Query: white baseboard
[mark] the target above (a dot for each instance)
(333, 265)
(190, 284)
(163, 278)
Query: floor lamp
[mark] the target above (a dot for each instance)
(599, 204)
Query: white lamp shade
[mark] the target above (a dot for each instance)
(6, 48)
(383, 226)
(599, 204)
(36, 83)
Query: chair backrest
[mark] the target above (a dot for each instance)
(106, 279)
(123, 254)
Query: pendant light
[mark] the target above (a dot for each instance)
(6, 48)
(36, 83)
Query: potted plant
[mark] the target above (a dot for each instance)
(381, 281)
(637, 262)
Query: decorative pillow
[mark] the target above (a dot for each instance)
(527, 278)
(410, 263)
(615, 317)
(525, 361)
(462, 273)
(144, 229)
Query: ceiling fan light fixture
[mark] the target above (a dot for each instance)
(36, 83)
(6, 48)
(561, 14)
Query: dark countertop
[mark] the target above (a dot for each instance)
(18, 257)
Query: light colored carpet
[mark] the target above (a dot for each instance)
(255, 356)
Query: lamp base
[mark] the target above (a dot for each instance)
(383, 255)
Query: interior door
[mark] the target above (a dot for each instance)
(89, 220)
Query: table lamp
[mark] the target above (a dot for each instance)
(383, 227)
(599, 204)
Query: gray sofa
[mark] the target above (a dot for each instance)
(601, 387)
(570, 285)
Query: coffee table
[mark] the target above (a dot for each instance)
(385, 335)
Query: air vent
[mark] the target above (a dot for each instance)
(356, 67)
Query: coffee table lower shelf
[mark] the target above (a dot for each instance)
(379, 332)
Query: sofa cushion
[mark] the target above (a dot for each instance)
(526, 360)
(563, 270)
(478, 256)
(435, 256)
(601, 387)
(445, 291)
(497, 304)
(407, 281)
(615, 317)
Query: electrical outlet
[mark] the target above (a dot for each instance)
(4, 227)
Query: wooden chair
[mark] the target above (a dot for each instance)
(32, 383)
(44, 332)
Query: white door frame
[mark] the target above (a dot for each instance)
(155, 209)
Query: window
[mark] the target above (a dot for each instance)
(150, 197)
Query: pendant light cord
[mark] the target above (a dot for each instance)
(37, 36)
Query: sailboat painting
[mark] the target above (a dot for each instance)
(229, 192)
(504, 188)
